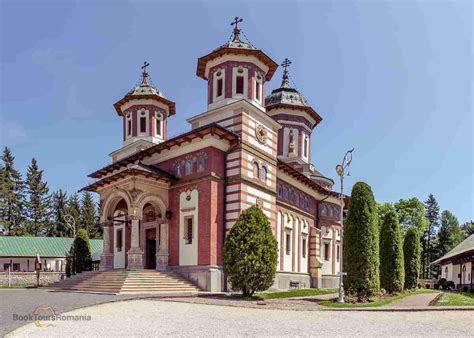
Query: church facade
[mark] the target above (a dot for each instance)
(168, 203)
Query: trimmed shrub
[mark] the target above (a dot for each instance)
(250, 253)
(411, 256)
(392, 271)
(361, 244)
(449, 285)
(82, 252)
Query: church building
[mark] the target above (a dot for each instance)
(168, 203)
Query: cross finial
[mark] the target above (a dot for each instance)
(285, 81)
(235, 23)
(144, 73)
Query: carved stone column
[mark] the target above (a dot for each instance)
(314, 258)
(135, 254)
(162, 255)
(107, 257)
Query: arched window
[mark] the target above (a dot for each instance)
(189, 167)
(446, 272)
(256, 170)
(178, 169)
(200, 163)
(264, 173)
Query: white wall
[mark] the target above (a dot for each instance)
(188, 254)
(289, 229)
(54, 264)
(119, 256)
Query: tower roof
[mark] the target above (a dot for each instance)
(288, 97)
(236, 46)
(145, 90)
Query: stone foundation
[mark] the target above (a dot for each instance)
(330, 281)
(29, 278)
(283, 279)
(207, 277)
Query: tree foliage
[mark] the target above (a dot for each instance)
(12, 198)
(38, 204)
(449, 235)
(411, 212)
(432, 214)
(412, 255)
(89, 219)
(392, 272)
(59, 211)
(361, 244)
(251, 252)
(82, 252)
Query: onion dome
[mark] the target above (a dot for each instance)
(288, 97)
(145, 90)
(236, 46)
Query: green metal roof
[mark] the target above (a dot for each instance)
(464, 246)
(43, 246)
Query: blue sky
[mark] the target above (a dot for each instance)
(391, 78)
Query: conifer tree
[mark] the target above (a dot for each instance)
(251, 252)
(82, 252)
(449, 235)
(59, 211)
(89, 219)
(12, 198)
(361, 244)
(432, 214)
(411, 255)
(468, 229)
(392, 272)
(38, 204)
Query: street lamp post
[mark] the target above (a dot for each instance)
(71, 223)
(342, 170)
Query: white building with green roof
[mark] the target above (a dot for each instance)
(458, 264)
(20, 253)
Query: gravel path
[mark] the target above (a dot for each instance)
(416, 301)
(159, 318)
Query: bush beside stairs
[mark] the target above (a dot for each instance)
(127, 282)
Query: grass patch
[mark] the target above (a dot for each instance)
(378, 302)
(295, 293)
(20, 286)
(455, 299)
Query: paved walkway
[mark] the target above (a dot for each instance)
(159, 318)
(418, 301)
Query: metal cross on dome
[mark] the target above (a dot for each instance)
(145, 74)
(235, 23)
(145, 64)
(285, 64)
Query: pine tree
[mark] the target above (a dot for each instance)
(411, 255)
(89, 215)
(392, 271)
(432, 214)
(59, 211)
(12, 198)
(38, 205)
(251, 252)
(468, 229)
(449, 235)
(361, 244)
(74, 210)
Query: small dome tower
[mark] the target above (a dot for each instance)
(145, 111)
(236, 70)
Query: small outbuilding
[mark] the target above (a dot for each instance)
(458, 264)
(19, 253)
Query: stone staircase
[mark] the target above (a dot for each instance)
(122, 281)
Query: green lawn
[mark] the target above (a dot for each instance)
(385, 301)
(295, 293)
(456, 299)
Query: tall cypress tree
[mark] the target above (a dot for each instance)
(411, 255)
(38, 205)
(89, 215)
(361, 244)
(392, 272)
(59, 211)
(12, 198)
(74, 210)
(432, 214)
